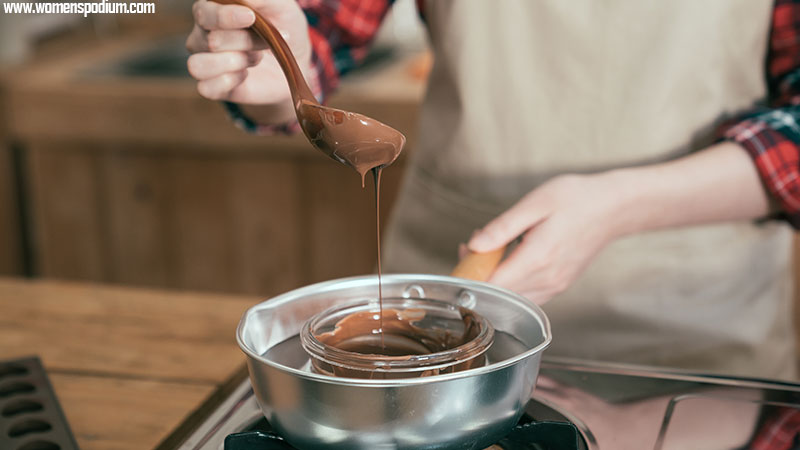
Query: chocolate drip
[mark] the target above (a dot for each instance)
(377, 173)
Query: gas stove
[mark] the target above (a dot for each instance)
(576, 405)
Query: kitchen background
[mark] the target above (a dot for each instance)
(114, 170)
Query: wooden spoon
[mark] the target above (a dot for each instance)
(353, 139)
(479, 266)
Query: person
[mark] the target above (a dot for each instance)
(641, 149)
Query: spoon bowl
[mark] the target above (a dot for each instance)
(352, 139)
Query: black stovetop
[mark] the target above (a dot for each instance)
(612, 406)
(529, 434)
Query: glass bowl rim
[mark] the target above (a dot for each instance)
(413, 363)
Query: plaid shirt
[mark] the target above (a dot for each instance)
(778, 432)
(771, 134)
(341, 31)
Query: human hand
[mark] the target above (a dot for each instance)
(564, 223)
(567, 220)
(231, 63)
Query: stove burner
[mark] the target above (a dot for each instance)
(531, 433)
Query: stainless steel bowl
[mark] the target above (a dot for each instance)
(463, 410)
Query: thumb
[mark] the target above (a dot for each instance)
(508, 226)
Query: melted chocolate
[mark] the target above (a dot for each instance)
(350, 138)
(356, 348)
(377, 172)
(399, 335)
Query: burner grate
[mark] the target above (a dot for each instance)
(30, 416)
(528, 435)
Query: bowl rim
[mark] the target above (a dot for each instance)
(410, 278)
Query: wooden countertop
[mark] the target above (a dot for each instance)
(128, 365)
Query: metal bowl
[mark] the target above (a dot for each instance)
(462, 410)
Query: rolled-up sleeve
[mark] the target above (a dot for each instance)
(771, 135)
(340, 32)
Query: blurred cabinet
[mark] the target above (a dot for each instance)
(238, 222)
(11, 248)
(135, 179)
(11, 258)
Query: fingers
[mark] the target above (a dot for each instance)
(550, 258)
(562, 234)
(463, 251)
(197, 40)
(524, 267)
(204, 66)
(222, 28)
(234, 40)
(219, 88)
(224, 41)
(209, 16)
(509, 225)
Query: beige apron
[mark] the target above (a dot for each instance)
(523, 90)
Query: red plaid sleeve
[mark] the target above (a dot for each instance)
(772, 135)
(779, 432)
(340, 32)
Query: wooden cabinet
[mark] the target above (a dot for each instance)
(11, 256)
(139, 181)
(236, 222)
(11, 262)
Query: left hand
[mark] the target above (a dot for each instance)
(565, 222)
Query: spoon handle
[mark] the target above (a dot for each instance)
(478, 266)
(294, 76)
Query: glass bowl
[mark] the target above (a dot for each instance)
(420, 338)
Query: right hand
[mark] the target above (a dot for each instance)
(232, 63)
